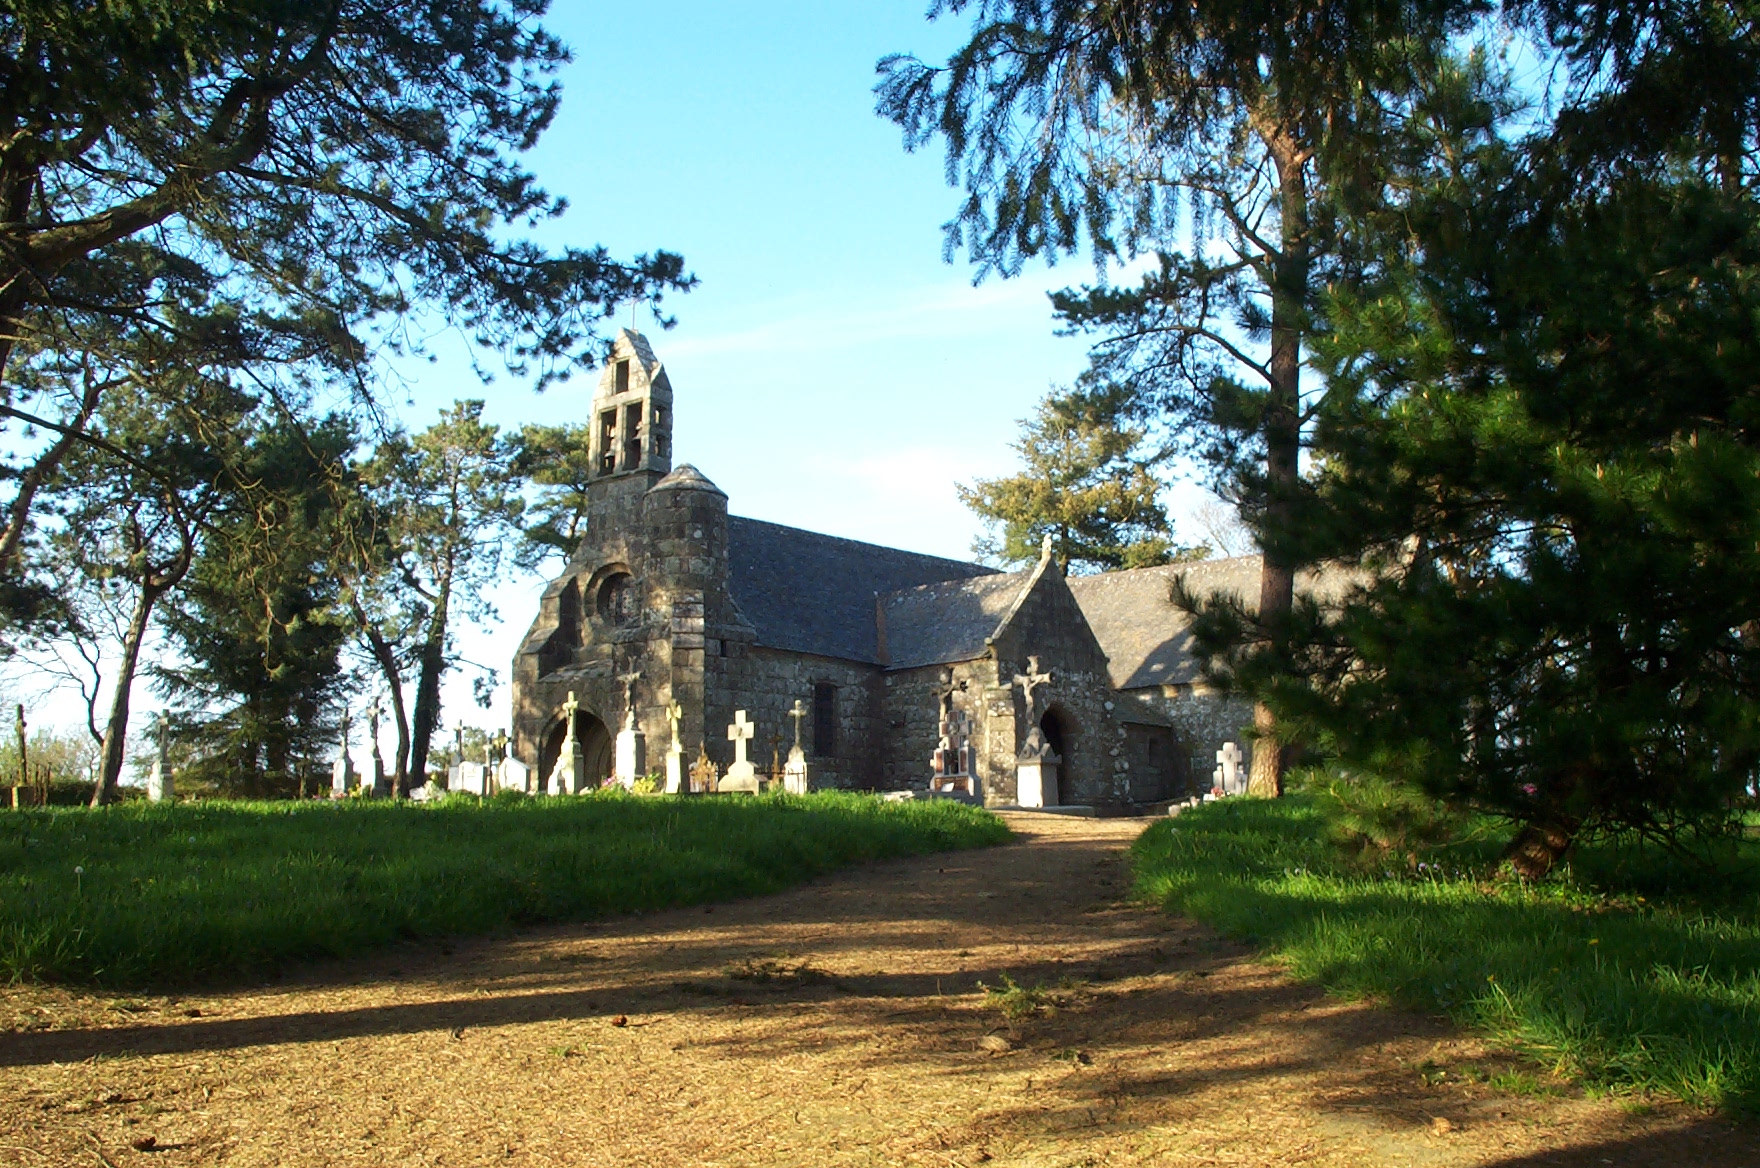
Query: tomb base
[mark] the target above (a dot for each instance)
(630, 757)
(159, 786)
(569, 776)
(794, 775)
(741, 777)
(677, 781)
(1036, 782)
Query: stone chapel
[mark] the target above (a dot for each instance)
(672, 611)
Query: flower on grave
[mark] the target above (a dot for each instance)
(1530, 789)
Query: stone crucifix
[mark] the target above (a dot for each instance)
(675, 715)
(629, 696)
(797, 713)
(740, 733)
(1030, 683)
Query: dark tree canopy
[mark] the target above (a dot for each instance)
(284, 179)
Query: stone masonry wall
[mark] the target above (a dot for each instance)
(1203, 721)
(766, 683)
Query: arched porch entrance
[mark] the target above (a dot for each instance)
(595, 743)
(1060, 731)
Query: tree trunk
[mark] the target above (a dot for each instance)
(427, 711)
(116, 729)
(386, 658)
(1282, 432)
(1538, 847)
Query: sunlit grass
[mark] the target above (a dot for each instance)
(1632, 970)
(143, 894)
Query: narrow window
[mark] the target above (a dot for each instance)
(824, 719)
(623, 376)
(660, 441)
(632, 436)
(607, 441)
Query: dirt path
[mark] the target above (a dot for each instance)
(837, 1024)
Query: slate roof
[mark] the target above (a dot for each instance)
(814, 593)
(1147, 639)
(935, 624)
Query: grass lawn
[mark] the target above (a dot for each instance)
(143, 895)
(1631, 970)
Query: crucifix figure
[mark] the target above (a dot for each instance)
(739, 734)
(1030, 683)
(457, 743)
(629, 697)
(568, 711)
(797, 714)
(675, 715)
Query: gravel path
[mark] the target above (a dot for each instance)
(841, 1023)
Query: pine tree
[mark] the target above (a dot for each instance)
(1087, 483)
(1211, 136)
(1541, 431)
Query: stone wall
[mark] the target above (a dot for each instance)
(910, 724)
(1203, 720)
(766, 683)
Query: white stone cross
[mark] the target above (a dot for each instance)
(675, 715)
(568, 710)
(797, 714)
(1230, 758)
(739, 734)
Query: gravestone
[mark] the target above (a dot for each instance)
(742, 776)
(677, 782)
(471, 778)
(630, 754)
(381, 785)
(342, 770)
(160, 788)
(1234, 778)
(794, 776)
(569, 775)
(704, 775)
(513, 775)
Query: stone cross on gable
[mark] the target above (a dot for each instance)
(739, 734)
(1030, 683)
(675, 715)
(797, 713)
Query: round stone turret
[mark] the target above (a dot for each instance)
(688, 478)
(686, 519)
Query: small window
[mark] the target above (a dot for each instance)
(617, 600)
(661, 445)
(824, 719)
(623, 376)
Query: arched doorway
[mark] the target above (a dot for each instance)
(1059, 731)
(595, 745)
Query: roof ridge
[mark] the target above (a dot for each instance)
(985, 569)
